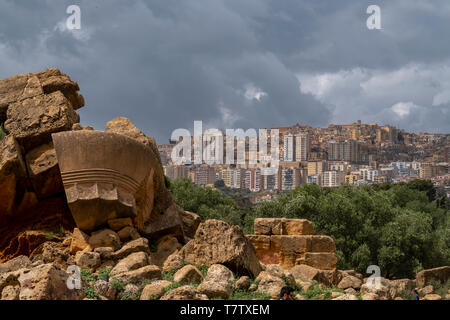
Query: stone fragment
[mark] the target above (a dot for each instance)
(105, 238)
(33, 120)
(155, 290)
(187, 275)
(133, 261)
(137, 276)
(184, 293)
(80, 241)
(88, 260)
(43, 171)
(190, 221)
(138, 245)
(173, 263)
(216, 242)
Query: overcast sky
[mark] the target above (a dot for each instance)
(240, 63)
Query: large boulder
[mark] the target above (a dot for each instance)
(308, 273)
(216, 242)
(218, 282)
(24, 86)
(441, 274)
(46, 282)
(350, 282)
(269, 284)
(33, 120)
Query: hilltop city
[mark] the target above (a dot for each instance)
(352, 154)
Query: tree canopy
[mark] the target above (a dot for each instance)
(399, 227)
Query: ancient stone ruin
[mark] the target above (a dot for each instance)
(57, 175)
(290, 242)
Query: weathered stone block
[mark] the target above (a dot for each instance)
(33, 120)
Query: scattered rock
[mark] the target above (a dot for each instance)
(88, 260)
(243, 283)
(128, 233)
(166, 246)
(15, 264)
(106, 253)
(139, 275)
(173, 263)
(118, 224)
(80, 242)
(46, 282)
(105, 289)
(133, 261)
(188, 274)
(350, 291)
(130, 292)
(346, 297)
(155, 290)
(218, 282)
(336, 294)
(190, 221)
(426, 290)
(432, 296)
(138, 245)
(105, 238)
(184, 293)
(269, 284)
(350, 282)
(10, 293)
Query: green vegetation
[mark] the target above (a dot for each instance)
(118, 285)
(399, 227)
(209, 203)
(87, 276)
(55, 233)
(91, 293)
(248, 295)
(441, 289)
(130, 296)
(103, 273)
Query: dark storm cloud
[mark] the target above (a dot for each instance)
(235, 63)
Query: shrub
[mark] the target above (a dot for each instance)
(91, 293)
